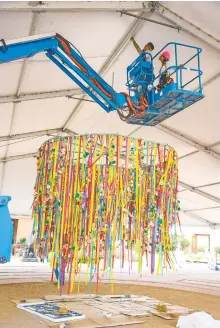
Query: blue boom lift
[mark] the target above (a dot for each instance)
(143, 104)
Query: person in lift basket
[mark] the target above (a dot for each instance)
(165, 78)
(147, 48)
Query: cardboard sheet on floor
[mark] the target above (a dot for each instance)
(97, 315)
(102, 310)
(69, 298)
(31, 300)
(48, 310)
(173, 312)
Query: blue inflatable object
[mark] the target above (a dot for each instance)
(6, 230)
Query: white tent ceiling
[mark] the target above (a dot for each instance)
(102, 35)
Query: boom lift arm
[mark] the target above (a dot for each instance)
(71, 62)
(141, 105)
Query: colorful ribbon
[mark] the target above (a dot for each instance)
(94, 193)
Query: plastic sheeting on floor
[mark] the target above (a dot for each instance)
(198, 320)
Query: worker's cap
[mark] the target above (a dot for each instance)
(166, 54)
(150, 44)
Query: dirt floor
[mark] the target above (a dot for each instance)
(10, 316)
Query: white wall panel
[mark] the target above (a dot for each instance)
(45, 76)
(111, 123)
(154, 134)
(212, 215)
(19, 182)
(181, 188)
(194, 12)
(5, 118)
(5, 123)
(94, 33)
(186, 220)
(15, 24)
(10, 74)
(200, 121)
(1, 171)
(3, 149)
(190, 201)
(41, 114)
(199, 169)
(216, 148)
(25, 146)
(212, 190)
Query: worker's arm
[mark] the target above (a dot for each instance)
(136, 45)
